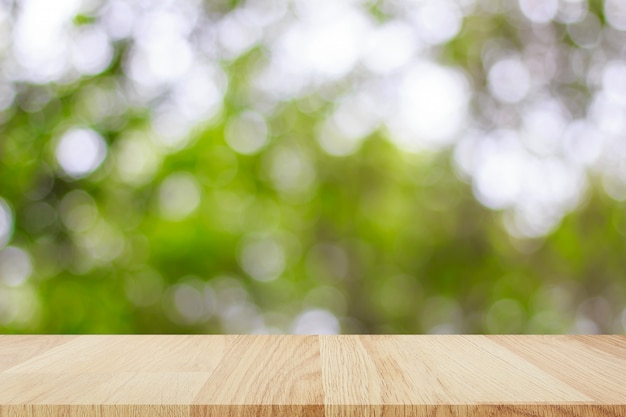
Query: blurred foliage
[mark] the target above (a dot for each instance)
(206, 235)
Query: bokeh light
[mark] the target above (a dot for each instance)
(179, 196)
(6, 223)
(15, 266)
(80, 151)
(246, 133)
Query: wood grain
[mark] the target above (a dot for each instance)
(313, 376)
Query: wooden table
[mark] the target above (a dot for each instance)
(283, 376)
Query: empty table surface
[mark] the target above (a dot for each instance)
(270, 375)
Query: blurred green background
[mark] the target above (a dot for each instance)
(355, 166)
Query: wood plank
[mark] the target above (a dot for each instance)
(147, 353)
(17, 349)
(565, 357)
(313, 376)
(265, 376)
(426, 370)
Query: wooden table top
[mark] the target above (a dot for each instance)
(280, 376)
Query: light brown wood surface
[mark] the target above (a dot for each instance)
(286, 376)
